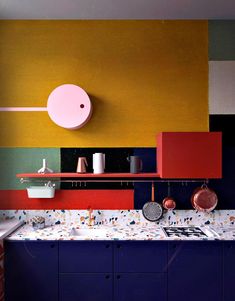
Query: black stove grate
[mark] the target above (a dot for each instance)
(184, 232)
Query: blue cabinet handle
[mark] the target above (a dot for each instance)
(107, 246)
(118, 276)
(119, 246)
(52, 245)
(107, 276)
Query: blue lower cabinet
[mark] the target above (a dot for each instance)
(140, 257)
(140, 287)
(85, 287)
(85, 256)
(31, 270)
(119, 271)
(140, 271)
(86, 270)
(229, 270)
(195, 271)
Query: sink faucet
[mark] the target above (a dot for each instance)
(91, 218)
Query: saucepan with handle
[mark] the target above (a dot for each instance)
(169, 203)
(152, 210)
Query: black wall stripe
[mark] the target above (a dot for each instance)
(115, 158)
(181, 192)
(225, 124)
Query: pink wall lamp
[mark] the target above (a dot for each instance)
(68, 106)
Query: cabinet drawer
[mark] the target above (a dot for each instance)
(85, 256)
(85, 287)
(140, 257)
(140, 287)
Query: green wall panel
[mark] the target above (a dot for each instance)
(21, 160)
(221, 40)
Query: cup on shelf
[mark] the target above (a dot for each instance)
(136, 164)
(98, 163)
(81, 166)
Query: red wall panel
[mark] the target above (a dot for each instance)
(69, 199)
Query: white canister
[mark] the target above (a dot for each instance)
(98, 163)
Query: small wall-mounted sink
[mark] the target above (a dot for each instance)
(42, 192)
(88, 232)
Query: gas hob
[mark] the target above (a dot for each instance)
(188, 232)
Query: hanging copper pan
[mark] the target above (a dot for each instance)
(169, 203)
(204, 199)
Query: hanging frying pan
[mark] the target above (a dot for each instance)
(204, 199)
(152, 211)
(169, 203)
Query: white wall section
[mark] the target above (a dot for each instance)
(222, 87)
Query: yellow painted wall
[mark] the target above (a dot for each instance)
(142, 76)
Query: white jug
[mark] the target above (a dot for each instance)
(98, 163)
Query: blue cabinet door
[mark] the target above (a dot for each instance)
(229, 270)
(85, 270)
(31, 271)
(85, 287)
(140, 287)
(140, 257)
(85, 257)
(140, 271)
(195, 271)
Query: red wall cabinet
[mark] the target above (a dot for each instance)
(189, 155)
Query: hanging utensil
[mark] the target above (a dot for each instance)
(152, 211)
(204, 199)
(169, 203)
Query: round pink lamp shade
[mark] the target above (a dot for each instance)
(69, 106)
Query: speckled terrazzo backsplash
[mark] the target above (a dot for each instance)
(125, 217)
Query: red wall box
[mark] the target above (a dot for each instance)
(189, 155)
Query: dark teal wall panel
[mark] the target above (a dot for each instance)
(221, 40)
(23, 160)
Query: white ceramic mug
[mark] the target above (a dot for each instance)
(98, 163)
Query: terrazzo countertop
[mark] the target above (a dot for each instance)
(118, 224)
(154, 232)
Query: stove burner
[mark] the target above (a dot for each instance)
(184, 232)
